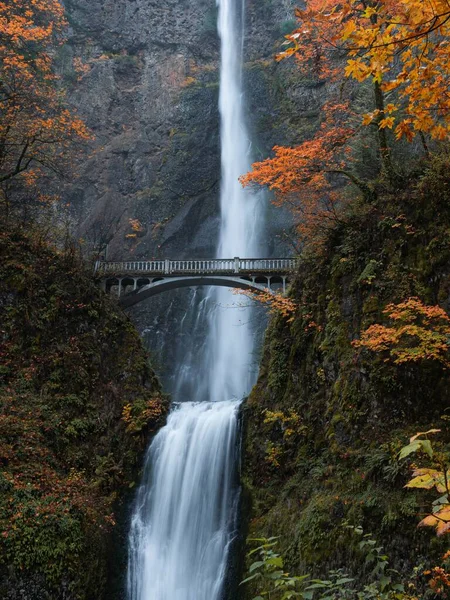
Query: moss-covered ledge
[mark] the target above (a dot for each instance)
(78, 403)
(325, 420)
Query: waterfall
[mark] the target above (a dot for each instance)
(185, 513)
(230, 338)
(181, 522)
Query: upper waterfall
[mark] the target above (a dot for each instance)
(242, 217)
(241, 214)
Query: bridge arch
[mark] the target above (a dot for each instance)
(137, 280)
(171, 283)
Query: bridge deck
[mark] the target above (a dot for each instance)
(216, 266)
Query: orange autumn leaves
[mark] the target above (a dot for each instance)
(36, 128)
(398, 53)
(302, 177)
(403, 45)
(417, 333)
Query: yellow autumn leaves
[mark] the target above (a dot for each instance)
(403, 46)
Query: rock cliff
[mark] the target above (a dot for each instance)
(149, 92)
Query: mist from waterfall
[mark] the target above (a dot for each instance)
(184, 519)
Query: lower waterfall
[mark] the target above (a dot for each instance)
(182, 528)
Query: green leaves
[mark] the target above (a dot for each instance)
(424, 445)
(416, 444)
(274, 583)
(332, 588)
(269, 570)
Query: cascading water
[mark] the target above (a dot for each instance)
(180, 529)
(230, 339)
(185, 513)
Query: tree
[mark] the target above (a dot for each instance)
(417, 333)
(306, 177)
(36, 127)
(401, 46)
(401, 50)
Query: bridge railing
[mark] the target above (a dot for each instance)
(196, 266)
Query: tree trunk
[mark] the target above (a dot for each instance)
(385, 151)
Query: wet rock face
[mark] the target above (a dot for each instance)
(149, 92)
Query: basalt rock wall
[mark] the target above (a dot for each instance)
(148, 89)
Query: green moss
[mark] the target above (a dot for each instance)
(356, 409)
(78, 401)
(278, 365)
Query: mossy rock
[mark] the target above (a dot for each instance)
(79, 402)
(356, 410)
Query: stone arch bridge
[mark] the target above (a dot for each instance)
(134, 281)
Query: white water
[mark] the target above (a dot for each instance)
(181, 528)
(185, 514)
(230, 340)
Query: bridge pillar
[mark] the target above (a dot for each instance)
(119, 288)
(284, 285)
(269, 279)
(135, 284)
(236, 264)
(167, 266)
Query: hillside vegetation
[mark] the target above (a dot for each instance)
(357, 361)
(78, 402)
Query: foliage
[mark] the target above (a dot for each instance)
(77, 403)
(400, 46)
(304, 177)
(436, 477)
(440, 577)
(36, 127)
(276, 302)
(401, 51)
(269, 569)
(431, 478)
(283, 429)
(418, 333)
(416, 444)
(354, 407)
(273, 582)
(290, 423)
(137, 418)
(136, 228)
